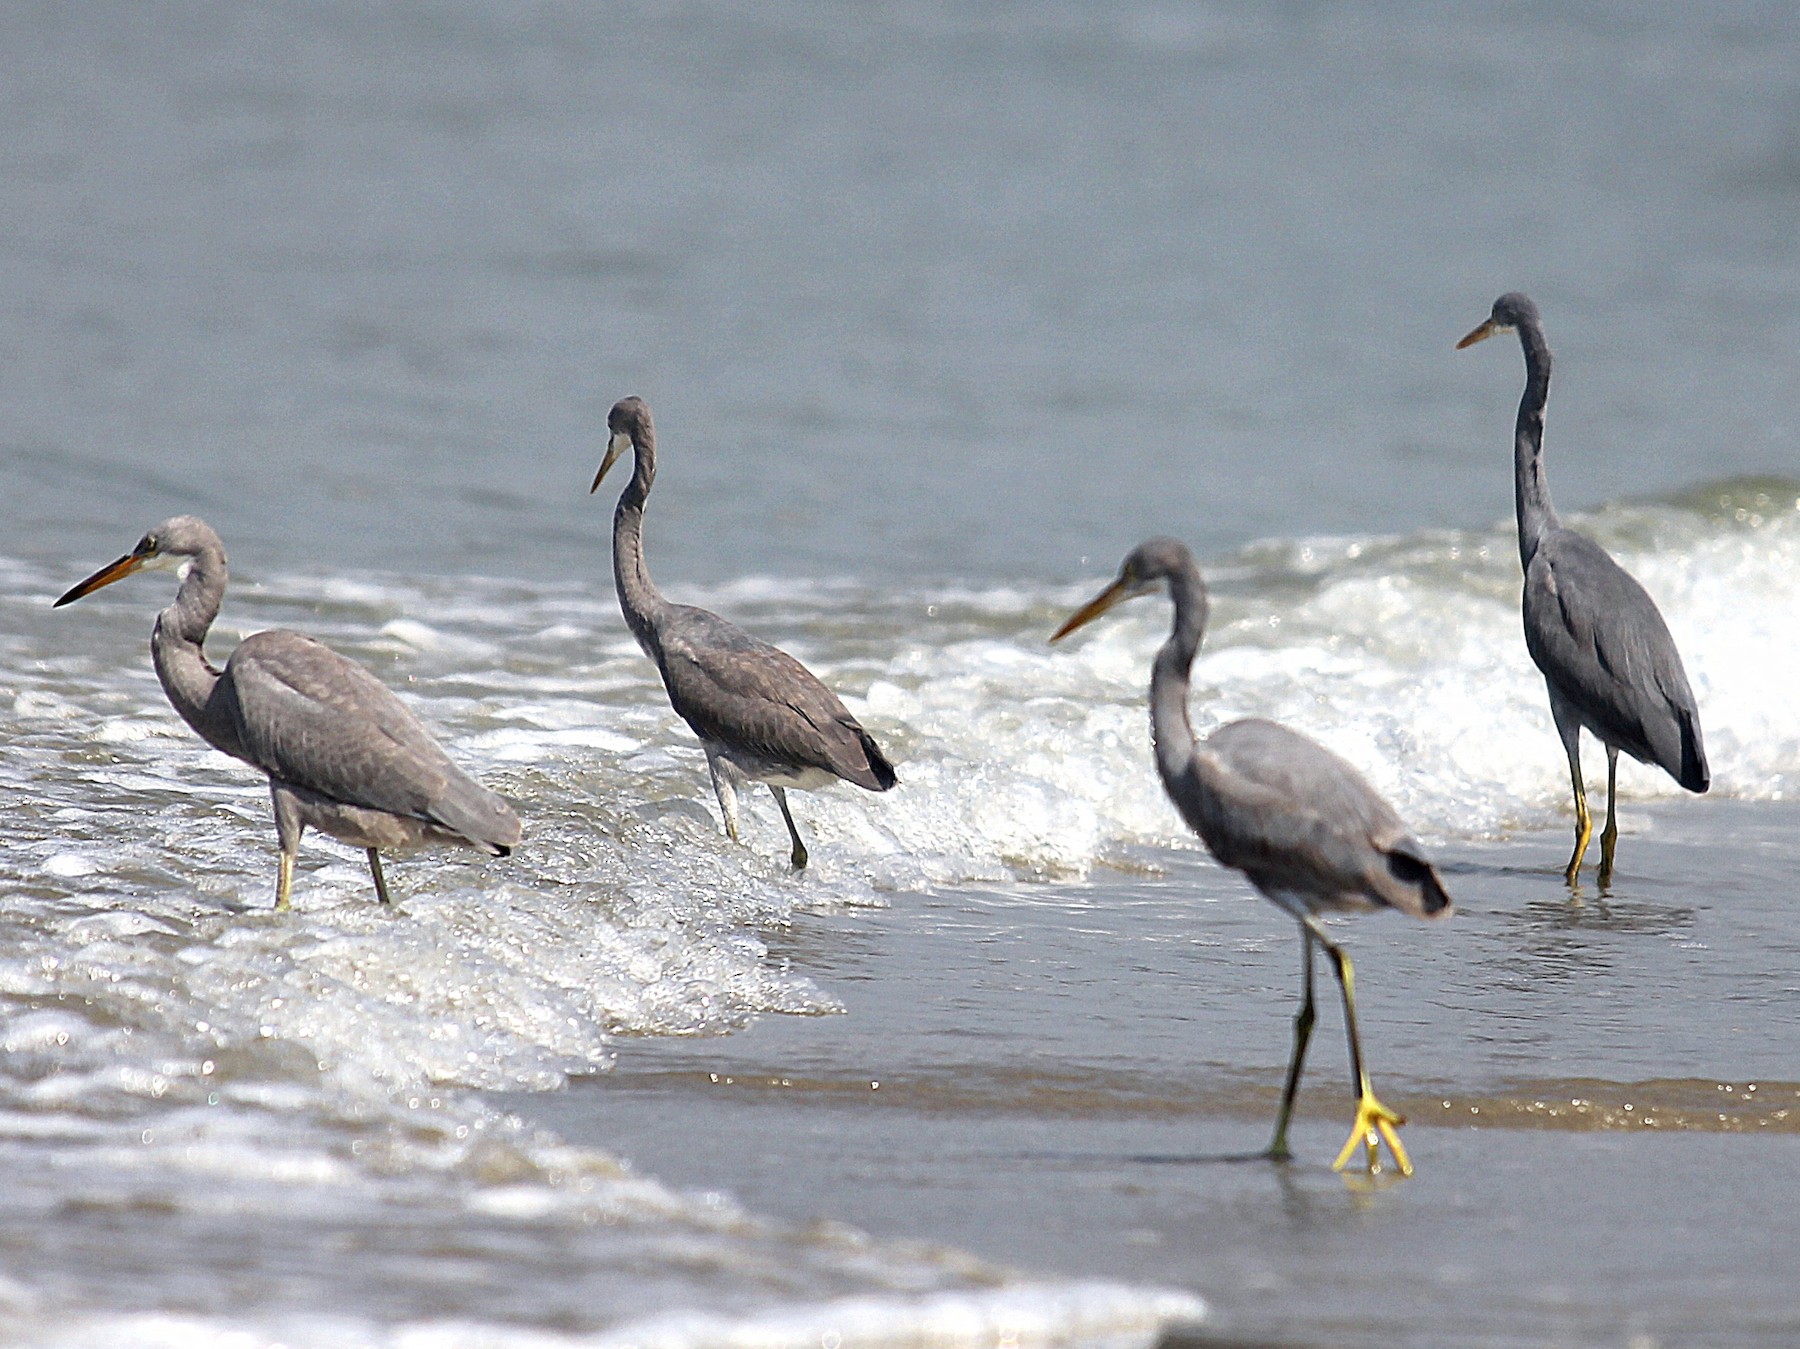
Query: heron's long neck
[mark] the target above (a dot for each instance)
(1170, 729)
(1531, 492)
(178, 648)
(639, 599)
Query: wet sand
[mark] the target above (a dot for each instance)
(1603, 1100)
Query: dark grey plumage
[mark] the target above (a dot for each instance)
(761, 715)
(342, 753)
(1607, 658)
(1296, 819)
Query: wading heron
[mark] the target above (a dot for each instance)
(1301, 824)
(760, 714)
(1605, 652)
(342, 753)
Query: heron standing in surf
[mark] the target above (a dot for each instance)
(1606, 654)
(760, 714)
(1301, 824)
(341, 752)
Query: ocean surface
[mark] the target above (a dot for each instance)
(942, 308)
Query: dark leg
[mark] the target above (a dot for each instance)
(380, 882)
(1609, 837)
(1303, 1024)
(798, 858)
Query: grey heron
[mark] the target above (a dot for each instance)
(1301, 824)
(1605, 652)
(341, 752)
(761, 715)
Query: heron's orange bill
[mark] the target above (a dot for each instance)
(616, 447)
(1088, 612)
(112, 571)
(1481, 333)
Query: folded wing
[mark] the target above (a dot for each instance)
(308, 717)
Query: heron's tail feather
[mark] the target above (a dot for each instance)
(1424, 893)
(1694, 774)
(855, 757)
(879, 767)
(481, 816)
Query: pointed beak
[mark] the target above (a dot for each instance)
(1480, 333)
(616, 447)
(112, 571)
(1116, 593)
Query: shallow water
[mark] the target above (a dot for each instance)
(941, 309)
(1603, 1115)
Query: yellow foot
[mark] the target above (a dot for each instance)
(1375, 1122)
(1584, 830)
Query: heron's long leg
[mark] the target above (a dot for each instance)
(288, 828)
(380, 881)
(1568, 726)
(1375, 1122)
(1584, 822)
(1303, 1024)
(798, 857)
(727, 794)
(284, 881)
(1609, 837)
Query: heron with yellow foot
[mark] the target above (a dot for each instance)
(1606, 655)
(341, 752)
(1301, 824)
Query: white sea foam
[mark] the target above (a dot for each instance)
(1106, 1316)
(1416, 672)
(1015, 758)
(1099, 1314)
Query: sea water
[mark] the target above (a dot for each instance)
(279, 1094)
(941, 309)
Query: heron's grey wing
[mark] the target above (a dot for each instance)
(309, 717)
(1601, 642)
(1298, 819)
(735, 688)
